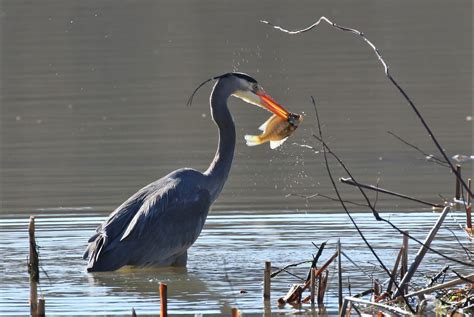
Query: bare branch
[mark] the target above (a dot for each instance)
(389, 76)
(388, 192)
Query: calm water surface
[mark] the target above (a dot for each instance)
(227, 258)
(92, 108)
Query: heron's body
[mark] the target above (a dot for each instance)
(157, 225)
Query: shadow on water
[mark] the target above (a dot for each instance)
(183, 286)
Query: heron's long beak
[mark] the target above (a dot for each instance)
(273, 106)
(261, 99)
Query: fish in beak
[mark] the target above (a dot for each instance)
(275, 130)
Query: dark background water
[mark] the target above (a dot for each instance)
(93, 107)
(93, 97)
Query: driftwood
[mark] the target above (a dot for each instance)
(293, 296)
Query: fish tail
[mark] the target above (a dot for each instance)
(252, 140)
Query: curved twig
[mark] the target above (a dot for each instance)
(429, 157)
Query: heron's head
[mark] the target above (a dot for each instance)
(248, 89)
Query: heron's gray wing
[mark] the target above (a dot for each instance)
(115, 223)
(173, 205)
(121, 216)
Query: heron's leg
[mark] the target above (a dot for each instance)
(181, 260)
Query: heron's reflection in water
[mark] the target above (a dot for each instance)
(185, 288)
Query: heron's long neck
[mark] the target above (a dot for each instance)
(219, 169)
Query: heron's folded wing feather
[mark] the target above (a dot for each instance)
(173, 205)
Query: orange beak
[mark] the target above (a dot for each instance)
(273, 106)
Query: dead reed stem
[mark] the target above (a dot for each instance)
(421, 253)
(33, 268)
(312, 287)
(41, 307)
(322, 286)
(235, 312)
(339, 275)
(469, 209)
(163, 300)
(457, 193)
(404, 265)
(395, 269)
(267, 280)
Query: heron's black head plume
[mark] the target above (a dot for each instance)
(240, 75)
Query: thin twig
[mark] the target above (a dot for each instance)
(464, 278)
(368, 275)
(388, 192)
(466, 250)
(292, 274)
(431, 157)
(389, 76)
(435, 278)
(315, 259)
(377, 192)
(324, 196)
(287, 267)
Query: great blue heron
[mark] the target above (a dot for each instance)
(157, 225)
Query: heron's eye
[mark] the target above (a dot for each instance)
(254, 87)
